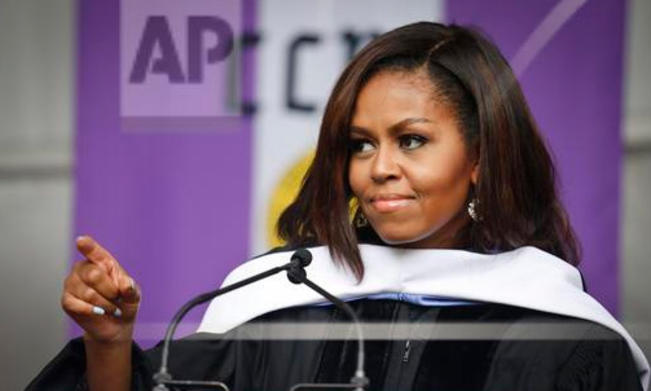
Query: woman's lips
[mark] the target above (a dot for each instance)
(390, 204)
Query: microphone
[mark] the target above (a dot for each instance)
(297, 275)
(299, 260)
(163, 378)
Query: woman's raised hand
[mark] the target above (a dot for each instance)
(100, 296)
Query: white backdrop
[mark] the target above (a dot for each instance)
(283, 138)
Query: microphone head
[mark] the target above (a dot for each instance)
(303, 256)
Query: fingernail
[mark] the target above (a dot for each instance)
(117, 313)
(132, 284)
(98, 310)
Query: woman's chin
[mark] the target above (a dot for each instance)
(397, 238)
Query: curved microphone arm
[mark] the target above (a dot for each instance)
(297, 275)
(163, 377)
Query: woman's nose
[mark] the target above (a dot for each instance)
(384, 166)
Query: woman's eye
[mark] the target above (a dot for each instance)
(412, 141)
(359, 146)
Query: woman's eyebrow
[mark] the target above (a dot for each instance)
(393, 128)
(406, 122)
(359, 130)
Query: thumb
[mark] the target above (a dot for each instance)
(129, 290)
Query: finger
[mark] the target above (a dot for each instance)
(126, 285)
(76, 287)
(129, 291)
(129, 294)
(96, 278)
(94, 252)
(123, 280)
(129, 299)
(73, 305)
(93, 297)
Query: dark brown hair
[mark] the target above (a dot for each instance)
(516, 188)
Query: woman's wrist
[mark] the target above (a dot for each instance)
(108, 363)
(108, 344)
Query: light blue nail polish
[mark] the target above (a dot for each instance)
(117, 313)
(98, 310)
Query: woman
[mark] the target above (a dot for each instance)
(429, 139)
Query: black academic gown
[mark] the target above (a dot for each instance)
(601, 363)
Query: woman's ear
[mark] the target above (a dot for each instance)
(474, 174)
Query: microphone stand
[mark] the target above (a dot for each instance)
(163, 378)
(297, 275)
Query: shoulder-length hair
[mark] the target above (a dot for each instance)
(516, 188)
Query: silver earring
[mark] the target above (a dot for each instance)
(472, 210)
(360, 220)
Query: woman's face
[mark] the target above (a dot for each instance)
(409, 166)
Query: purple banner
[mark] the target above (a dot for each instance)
(573, 83)
(167, 188)
(171, 204)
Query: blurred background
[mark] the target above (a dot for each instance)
(180, 202)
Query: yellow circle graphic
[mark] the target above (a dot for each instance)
(284, 193)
